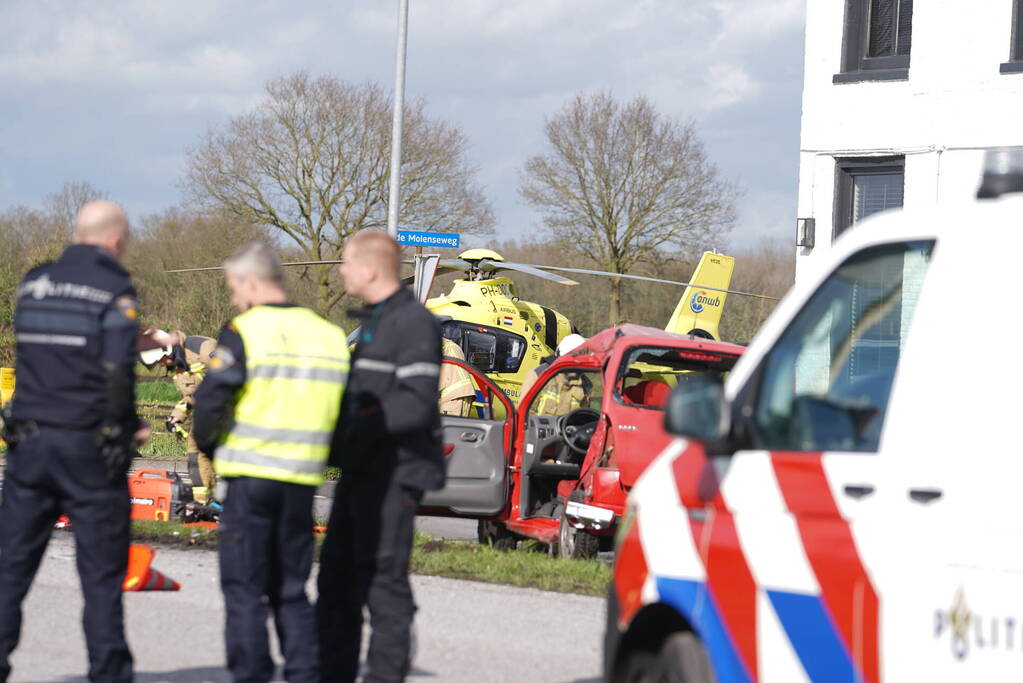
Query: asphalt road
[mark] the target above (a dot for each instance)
(466, 631)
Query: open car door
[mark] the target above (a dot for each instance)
(477, 448)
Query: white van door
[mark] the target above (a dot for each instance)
(797, 527)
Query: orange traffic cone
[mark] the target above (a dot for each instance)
(141, 576)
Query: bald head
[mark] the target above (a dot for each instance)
(378, 248)
(102, 224)
(370, 265)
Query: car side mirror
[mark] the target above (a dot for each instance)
(697, 409)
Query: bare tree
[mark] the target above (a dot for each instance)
(180, 237)
(28, 238)
(63, 205)
(626, 186)
(312, 162)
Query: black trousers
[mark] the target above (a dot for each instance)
(364, 561)
(59, 471)
(266, 554)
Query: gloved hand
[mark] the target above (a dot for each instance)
(116, 448)
(174, 427)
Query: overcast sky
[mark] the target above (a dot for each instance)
(115, 92)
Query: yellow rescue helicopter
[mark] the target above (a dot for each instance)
(502, 335)
(505, 337)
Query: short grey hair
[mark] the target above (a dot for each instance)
(255, 259)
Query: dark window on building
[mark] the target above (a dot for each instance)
(865, 187)
(1015, 63)
(878, 38)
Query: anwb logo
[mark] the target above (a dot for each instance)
(700, 299)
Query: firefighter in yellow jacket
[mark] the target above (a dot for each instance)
(566, 391)
(186, 363)
(456, 388)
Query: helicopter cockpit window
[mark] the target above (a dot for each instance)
(482, 351)
(489, 349)
(649, 373)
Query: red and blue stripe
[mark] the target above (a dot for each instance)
(834, 634)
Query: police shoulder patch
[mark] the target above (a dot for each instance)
(127, 306)
(220, 359)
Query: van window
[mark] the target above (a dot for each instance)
(826, 382)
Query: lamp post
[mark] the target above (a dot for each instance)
(398, 120)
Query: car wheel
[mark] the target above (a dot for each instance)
(638, 666)
(575, 543)
(496, 535)
(683, 659)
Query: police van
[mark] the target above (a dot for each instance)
(848, 506)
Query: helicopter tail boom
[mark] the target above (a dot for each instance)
(703, 301)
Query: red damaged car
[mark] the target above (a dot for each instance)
(558, 466)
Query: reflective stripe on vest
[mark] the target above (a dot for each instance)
(462, 386)
(285, 414)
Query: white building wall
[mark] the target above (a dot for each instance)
(953, 106)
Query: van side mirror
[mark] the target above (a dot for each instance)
(697, 409)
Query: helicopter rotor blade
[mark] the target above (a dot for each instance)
(194, 270)
(290, 263)
(451, 265)
(496, 266)
(329, 262)
(644, 278)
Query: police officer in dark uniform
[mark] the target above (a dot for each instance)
(390, 452)
(72, 427)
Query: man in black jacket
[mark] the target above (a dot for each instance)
(72, 429)
(390, 452)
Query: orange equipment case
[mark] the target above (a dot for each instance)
(158, 495)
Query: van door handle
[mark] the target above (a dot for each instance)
(925, 495)
(471, 437)
(858, 491)
(698, 514)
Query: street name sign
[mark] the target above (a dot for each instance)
(414, 238)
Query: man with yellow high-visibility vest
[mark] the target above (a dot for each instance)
(268, 411)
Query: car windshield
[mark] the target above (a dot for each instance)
(650, 372)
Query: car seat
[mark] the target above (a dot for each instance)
(649, 392)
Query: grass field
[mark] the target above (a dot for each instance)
(155, 400)
(172, 533)
(466, 560)
(159, 391)
(439, 557)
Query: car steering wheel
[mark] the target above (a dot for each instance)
(577, 427)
